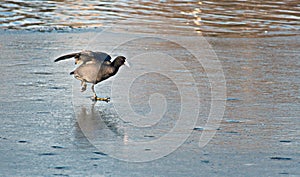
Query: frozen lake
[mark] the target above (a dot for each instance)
(50, 128)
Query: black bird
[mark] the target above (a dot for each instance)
(94, 68)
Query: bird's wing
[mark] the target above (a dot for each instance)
(67, 56)
(87, 56)
(101, 57)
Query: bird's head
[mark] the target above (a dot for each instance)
(119, 61)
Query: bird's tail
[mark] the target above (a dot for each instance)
(76, 55)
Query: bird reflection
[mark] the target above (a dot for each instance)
(98, 125)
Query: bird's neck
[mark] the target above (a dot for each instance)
(115, 69)
(116, 66)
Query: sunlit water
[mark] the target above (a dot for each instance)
(213, 17)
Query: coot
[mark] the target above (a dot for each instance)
(94, 68)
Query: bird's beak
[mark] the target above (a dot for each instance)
(127, 64)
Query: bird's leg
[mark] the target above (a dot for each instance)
(83, 86)
(95, 98)
(93, 90)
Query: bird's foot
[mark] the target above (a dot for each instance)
(95, 98)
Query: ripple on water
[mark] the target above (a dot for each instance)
(42, 73)
(233, 121)
(57, 147)
(285, 141)
(212, 17)
(22, 141)
(61, 168)
(280, 158)
(47, 154)
(100, 153)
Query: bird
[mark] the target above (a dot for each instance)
(94, 67)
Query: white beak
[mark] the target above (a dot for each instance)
(127, 64)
